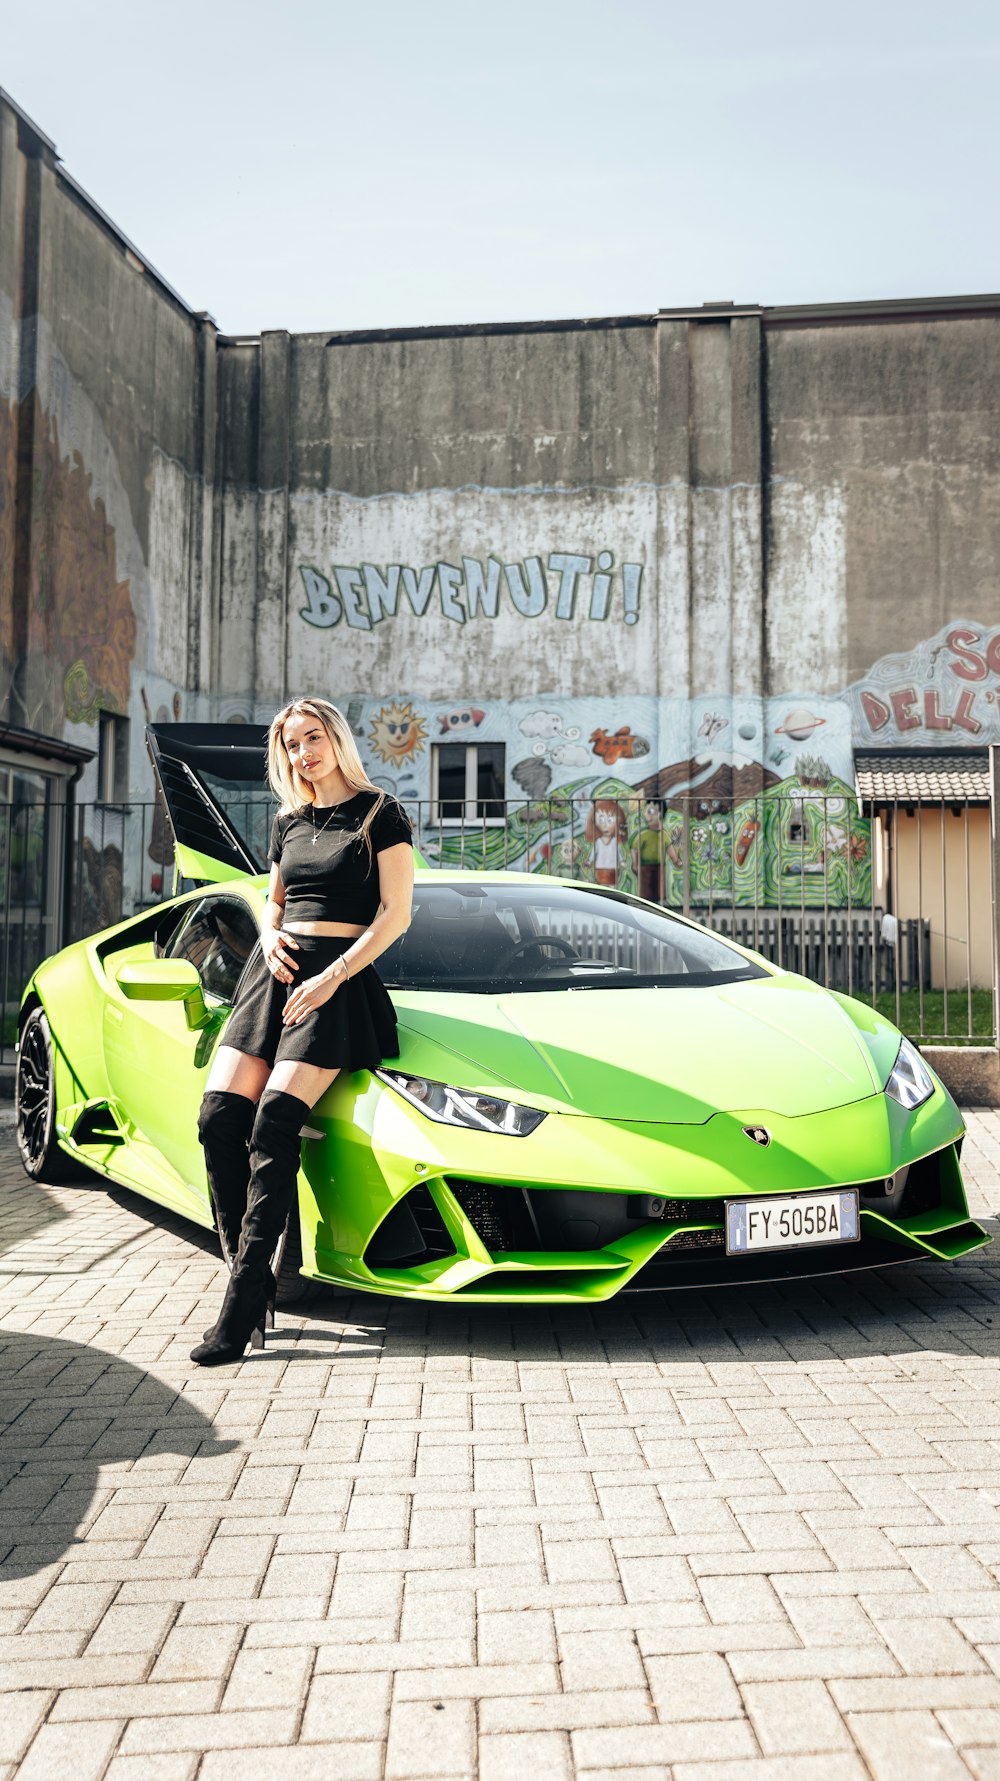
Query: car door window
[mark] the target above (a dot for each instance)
(218, 938)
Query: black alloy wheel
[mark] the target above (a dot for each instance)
(35, 1102)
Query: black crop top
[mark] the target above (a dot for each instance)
(324, 862)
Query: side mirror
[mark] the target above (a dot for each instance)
(889, 931)
(165, 980)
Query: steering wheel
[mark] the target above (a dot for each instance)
(538, 940)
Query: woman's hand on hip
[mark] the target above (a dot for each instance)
(277, 948)
(309, 996)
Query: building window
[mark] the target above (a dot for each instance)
(112, 759)
(467, 781)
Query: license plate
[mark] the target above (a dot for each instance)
(791, 1221)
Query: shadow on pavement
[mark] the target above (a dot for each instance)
(65, 1410)
(916, 1308)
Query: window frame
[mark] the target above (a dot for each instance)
(113, 744)
(470, 812)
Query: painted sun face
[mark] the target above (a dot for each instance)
(398, 733)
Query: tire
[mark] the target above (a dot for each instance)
(292, 1288)
(35, 1104)
(286, 1261)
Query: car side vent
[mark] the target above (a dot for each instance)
(411, 1234)
(922, 1192)
(97, 1125)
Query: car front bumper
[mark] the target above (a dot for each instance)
(394, 1203)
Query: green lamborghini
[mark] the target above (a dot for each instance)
(593, 1094)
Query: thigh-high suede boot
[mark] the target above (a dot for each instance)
(274, 1166)
(224, 1126)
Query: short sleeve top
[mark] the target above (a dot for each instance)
(326, 868)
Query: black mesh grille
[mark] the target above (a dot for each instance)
(691, 1212)
(697, 1240)
(498, 1215)
(508, 1217)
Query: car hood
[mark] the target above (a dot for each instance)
(678, 1055)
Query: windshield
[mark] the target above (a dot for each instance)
(501, 937)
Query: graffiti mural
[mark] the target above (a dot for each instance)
(693, 802)
(945, 693)
(81, 613)
(572, 584)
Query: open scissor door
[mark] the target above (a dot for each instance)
(211, 778)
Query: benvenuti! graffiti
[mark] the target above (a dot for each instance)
(570, 584)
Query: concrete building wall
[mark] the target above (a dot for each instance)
(709, 550)
(107, 424)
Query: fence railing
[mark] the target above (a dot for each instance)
(894, 907)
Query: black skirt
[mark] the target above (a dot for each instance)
(354, 1030)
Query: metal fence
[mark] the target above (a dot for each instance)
(894, 906)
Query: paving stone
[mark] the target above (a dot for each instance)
(70, 1752)
(734, 1538)
(697, 1686)
(509, 1756)
(898, 1746)
(347, 1705)
(21, 1715)
(434, 1739)
(794, 1718)
(209, 1731)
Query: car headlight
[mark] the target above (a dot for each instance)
(911, 1083)
(462, 1106)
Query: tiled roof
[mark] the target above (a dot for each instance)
(924, 777)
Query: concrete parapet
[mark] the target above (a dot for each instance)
(970, 1072)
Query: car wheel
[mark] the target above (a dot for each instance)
(285, 1262)
(35, 1103)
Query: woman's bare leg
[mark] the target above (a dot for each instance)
(236, 1073)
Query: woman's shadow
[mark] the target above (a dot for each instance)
(67, 1408)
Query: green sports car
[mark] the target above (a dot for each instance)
(593, 1094)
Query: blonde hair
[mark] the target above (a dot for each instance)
(295, 794)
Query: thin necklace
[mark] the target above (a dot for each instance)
(322, 826)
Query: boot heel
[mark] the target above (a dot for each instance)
(269, 1314)
(257, 1335)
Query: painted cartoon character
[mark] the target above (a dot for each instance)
(746, 838)
(622, 746)
(711, 723)
(398, 733)
(648, 854)
(453, 723)
(607, 828)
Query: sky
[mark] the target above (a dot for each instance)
(321, 166)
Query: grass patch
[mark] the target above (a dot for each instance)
(958, 1033)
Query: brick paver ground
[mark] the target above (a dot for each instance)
(727, 1536)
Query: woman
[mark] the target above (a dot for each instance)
(308, 1004)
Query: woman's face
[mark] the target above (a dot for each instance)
(606, 821)
(309, 749)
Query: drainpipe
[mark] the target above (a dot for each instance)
(995, 880)
(66, 913)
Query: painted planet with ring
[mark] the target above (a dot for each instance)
(799, 725)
